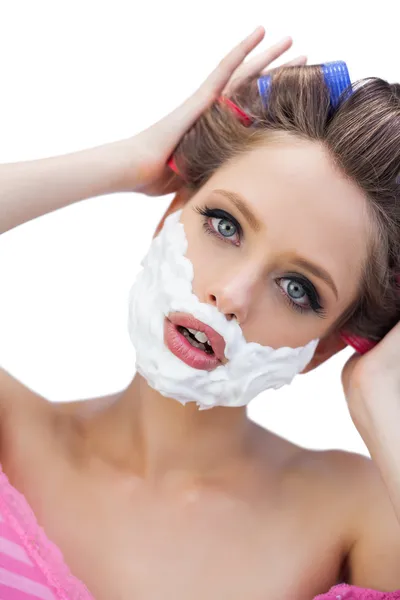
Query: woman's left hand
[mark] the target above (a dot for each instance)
(371, 384)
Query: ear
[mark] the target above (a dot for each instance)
(327, 347)
(178, 202)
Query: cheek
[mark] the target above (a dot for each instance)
(202, 256)
(270, 322)
(278, 333)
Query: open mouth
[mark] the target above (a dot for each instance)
(193, 342)
(197, 339)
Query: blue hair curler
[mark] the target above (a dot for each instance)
(337, 79)
(336, 76)
(264, 83)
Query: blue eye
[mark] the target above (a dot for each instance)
(297, 290)
(224, 226)
(221, 224)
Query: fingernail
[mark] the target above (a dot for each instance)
(259, 28)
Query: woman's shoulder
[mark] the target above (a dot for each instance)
(328, 467)
(29, 419)
(349, 475)
(342, 473)
(339, 482)
(17, 399)
(25, 422)
(337, 462)
(352, 484)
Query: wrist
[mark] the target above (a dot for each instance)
(377, 416)
(118, 164)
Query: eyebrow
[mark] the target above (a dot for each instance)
(317, 271)
(242, 207)
(256, 225)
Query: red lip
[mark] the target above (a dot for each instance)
(183, 349)
(217, 342)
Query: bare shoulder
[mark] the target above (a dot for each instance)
(342, 465)
(25, 413)
(372, 525)
(16, 397)
(375, 555)
(336, 477)
(351, 476)
(331, 467)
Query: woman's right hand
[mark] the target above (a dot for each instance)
(152, 148)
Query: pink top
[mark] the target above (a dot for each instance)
(32, 567)
(351, 592)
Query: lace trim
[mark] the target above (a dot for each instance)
(45, 554)
(343, 591)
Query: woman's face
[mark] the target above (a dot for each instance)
(277, 237)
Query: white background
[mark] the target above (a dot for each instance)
(75, 74)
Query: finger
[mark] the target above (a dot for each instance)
(254, 67)
(262, 60)
(181, 119)
(218, 79)
(299, 61)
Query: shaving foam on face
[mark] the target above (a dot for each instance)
(164, 286)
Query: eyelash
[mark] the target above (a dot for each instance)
(216, 213)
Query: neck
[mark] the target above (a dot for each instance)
(165, 439)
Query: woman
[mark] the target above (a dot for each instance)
(148, 497)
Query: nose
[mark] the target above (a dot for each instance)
(229, 315)
(232, 297)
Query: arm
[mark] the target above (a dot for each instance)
(383, 442)
(374, 558)
(371, 385)
(372, 388)
(376, 555)
(34, 188)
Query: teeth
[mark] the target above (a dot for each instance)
(188, 333)
(192, 341)
(199, 335)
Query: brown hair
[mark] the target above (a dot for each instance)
(362, 136)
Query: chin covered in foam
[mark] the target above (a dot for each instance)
(163, 287)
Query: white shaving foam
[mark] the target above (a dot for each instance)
(164, 286)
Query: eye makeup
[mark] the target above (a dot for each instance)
(224, 227)
(227, 227)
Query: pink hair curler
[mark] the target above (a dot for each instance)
(360, 344)
(241, 115)
(172, 165)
